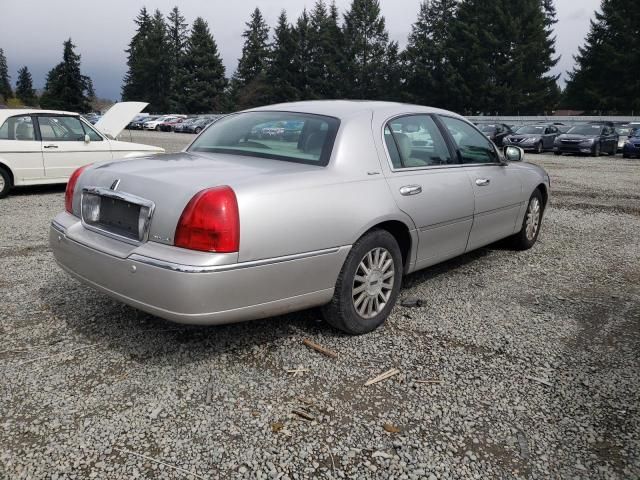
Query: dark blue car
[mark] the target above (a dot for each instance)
(632, 146)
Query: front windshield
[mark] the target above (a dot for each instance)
(487, 128)
(293, 137)
(586, 130)
(530, 129)
(623, 131)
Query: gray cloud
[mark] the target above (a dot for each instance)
(33, 31)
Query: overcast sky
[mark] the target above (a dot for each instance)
(32, 32)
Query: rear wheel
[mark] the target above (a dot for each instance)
(368, 284)
(557, 154)
(528, 234)
(5, 183)
(157, 128)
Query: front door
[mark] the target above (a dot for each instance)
(497, 187)
(64, 146)
(429, 186)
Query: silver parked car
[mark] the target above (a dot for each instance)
(241, 225)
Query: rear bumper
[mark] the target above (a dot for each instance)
(203, 295)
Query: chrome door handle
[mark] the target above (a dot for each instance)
(51, 146)
(483, 182)
(410, 190)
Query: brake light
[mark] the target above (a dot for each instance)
(71, 186)
(210, 222)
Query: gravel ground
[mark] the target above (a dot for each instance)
(533, 359)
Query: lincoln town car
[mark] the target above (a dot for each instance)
(332, 213)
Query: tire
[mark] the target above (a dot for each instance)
(614, 150)
(596, 150)
(624, 155)
(5, 183)
(525, 238)
(342, 312)
(539, 148)
(157, 128)
(197, 130)
(557, 154)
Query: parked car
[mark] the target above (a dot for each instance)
(181, 127)
(591, 139)
(533, 137)
(235, 229)
(631, 146)
(155, 123)
(46, 146)
(138, 122)
(170, 125)
(198, 125)
(624, 132)
(496, 132)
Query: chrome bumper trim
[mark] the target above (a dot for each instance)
(177, 267)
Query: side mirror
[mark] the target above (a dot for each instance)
(87, 138)
(513, 154)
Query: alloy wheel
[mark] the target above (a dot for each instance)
(533, 218)
(373, 283)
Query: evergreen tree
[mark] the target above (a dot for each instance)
(66, 88)
(24, 88)
(249, 82)
(390, 78)
(606, 74)
(303, 56)
(5, 85)
(281, 69)
(325, 43)
(502, 52)
(149, 76)
(202, 77)
(430, 76)
(366, 42)
(177, 37)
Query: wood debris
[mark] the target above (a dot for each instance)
(298, 371)
(320, 348)
(540, 380)
(382, 376)
(303, 414)
(276, 427)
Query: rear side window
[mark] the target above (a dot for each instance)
(17, 128)
(472, 145)
(414, 141)
(293, 137)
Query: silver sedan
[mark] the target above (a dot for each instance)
(292, 206)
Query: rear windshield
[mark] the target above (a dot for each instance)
(586, 130)
(530, 129)
(292, 137)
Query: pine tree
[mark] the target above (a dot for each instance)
(281, 69)
(390, 78)
(366, 41)
(203, 79)
(502, 51)
(249, 82)
(149, 76)
(303, 56)
(24, 88)
(177, 37)
(5, 85)
(325, 43)
(430, 77)
(66, 88)
(606, 75)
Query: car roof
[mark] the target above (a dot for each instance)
(343, 109)
(17, 112)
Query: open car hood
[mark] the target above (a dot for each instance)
(118, 117)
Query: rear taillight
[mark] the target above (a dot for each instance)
(210, 222)
(71, 186)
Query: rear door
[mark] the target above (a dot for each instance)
(497, 186)
(20, 149)
(429, 186)
(64, 147)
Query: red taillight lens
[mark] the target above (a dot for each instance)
(210, 222)
(71, 186)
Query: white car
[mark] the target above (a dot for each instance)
(155, 123)
(45, 146)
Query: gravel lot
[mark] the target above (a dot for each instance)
(533, 357)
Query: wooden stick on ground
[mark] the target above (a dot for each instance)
(319, 348)
(382, 376)
(160, 463)
(303, 414)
